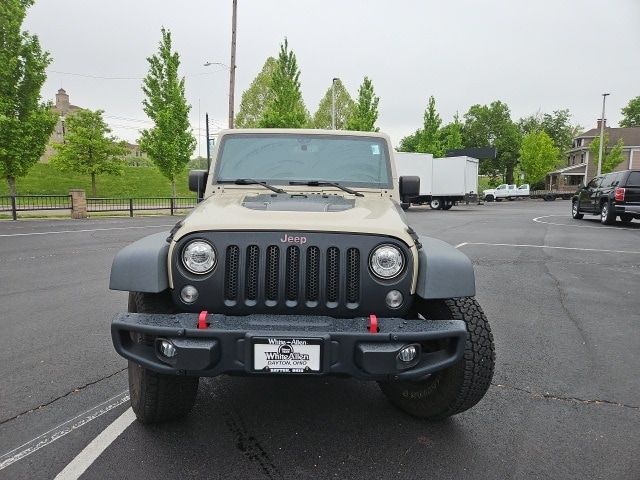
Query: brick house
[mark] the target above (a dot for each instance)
(64, 108)
(582, 165)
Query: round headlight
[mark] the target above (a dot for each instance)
(198, 257)
(386, 261)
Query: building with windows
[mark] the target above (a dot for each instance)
(64, 108)
(582, 165)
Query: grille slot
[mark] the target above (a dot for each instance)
(313, 274)
(293, 273)
(272, 273)
(231, 272)
(333, 274)
(353, 275)
(251, 279)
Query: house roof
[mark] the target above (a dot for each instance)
(629, 135)
(572, 170)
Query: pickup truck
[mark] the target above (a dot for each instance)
(506, 191)
(611, 195)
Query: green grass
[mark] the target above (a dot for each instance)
(43, 179)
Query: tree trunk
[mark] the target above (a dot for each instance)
(11, 181)
(509, 174)
(93, 185)
(173, 187)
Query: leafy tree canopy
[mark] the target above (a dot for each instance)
(170, 143)
(429, 139)
(491, 125)
(631, 113)
(26, 123)
(285, 107)
(256, 97)
(344, 107)
(538, 155)
(88, 148)
(365, 113)
(557, 125)
(611, 155)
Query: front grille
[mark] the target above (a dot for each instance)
(295, 275)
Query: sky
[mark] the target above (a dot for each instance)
(537, 56)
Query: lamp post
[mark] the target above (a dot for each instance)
(232, 68)
(604, 99)
(333, 103)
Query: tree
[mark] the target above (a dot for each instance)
(491, 125)
(88, 148)
(26, 123)
(256, 97)
(285, 107)
(557, 125)
(410, 142)
(170, 143)
(538, 155)
(365, 112)
(429, 137)
(344, 107)
(451, 135)
(611, 156)
(631, 113)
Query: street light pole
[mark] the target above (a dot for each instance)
(232, 69)
(333, 103)
(604, 99)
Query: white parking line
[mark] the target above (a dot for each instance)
(537, 220)
(82, 231)
(91, 452)
(546, 246)
(56, 433)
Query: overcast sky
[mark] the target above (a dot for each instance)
(537, 55)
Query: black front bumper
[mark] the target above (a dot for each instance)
(347, 345)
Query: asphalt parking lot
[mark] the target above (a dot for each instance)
(562, 296)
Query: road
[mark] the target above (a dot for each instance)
(564, 403)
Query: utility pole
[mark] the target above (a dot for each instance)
(232, 69)
(206, 120)
(602, 120)
(333, 103)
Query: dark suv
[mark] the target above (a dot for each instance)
(611, 195)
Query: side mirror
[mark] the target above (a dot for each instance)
(198, 181)
(409, 187)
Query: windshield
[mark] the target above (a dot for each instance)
(282, 158)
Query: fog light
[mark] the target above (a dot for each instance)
(168, 349)
(394, 299)
(189, 294)
(408, 354)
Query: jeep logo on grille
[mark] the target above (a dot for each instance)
(293, 239)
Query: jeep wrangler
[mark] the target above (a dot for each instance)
(299, 260)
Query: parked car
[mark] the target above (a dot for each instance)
(503, 191)
(299, 262)
(611, 195)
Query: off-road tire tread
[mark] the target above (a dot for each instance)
(160, 397)
(467, 381)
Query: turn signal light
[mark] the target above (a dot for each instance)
(619, 194)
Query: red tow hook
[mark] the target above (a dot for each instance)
(373, 323)
(202, 320)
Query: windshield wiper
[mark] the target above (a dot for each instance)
(318, 183)
(250, 181)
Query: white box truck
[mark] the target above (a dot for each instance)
(443, 181)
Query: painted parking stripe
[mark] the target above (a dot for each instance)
(547, 246)
(56, 433)
(98, 445)
(537, 220)
(83, 230)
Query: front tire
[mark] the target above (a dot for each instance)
(405, 206)
(157, 397)
(461, 386)
(575, 210)
(435, 204)
(607, 215)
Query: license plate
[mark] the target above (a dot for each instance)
(287, 355)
